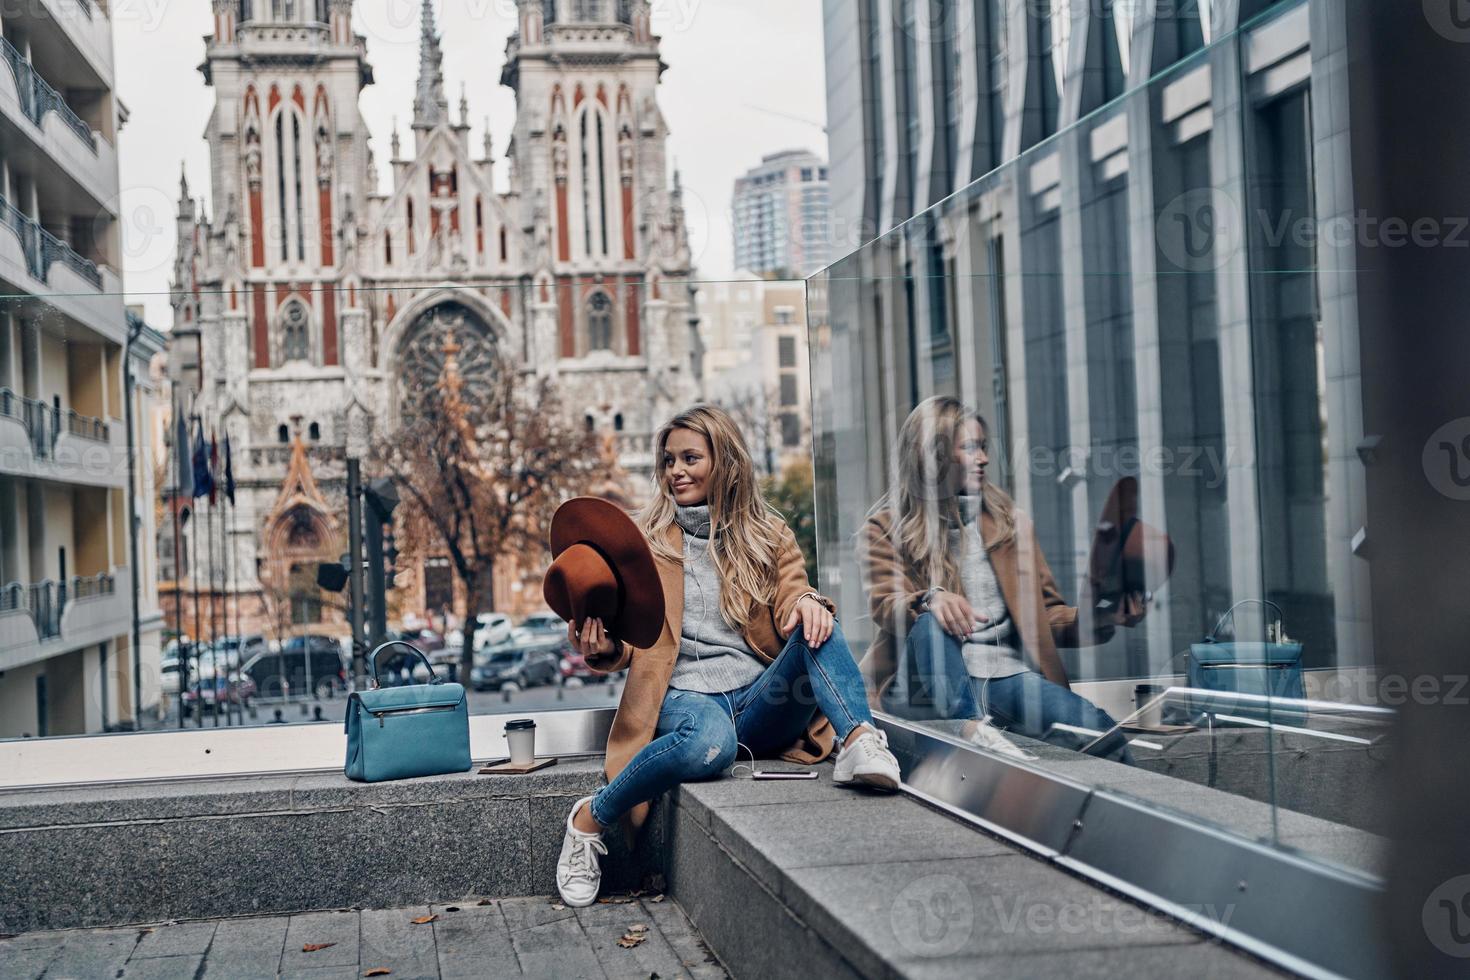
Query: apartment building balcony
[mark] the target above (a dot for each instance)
(81, 30)
(33, 261)
(43, 619)
(36, 117)
(39, 441)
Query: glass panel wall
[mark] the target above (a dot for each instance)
(1088, 525)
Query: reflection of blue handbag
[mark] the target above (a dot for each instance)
(1267, 669)
(399, 732)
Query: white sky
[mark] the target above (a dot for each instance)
(745, 79)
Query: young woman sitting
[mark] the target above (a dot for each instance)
(750, 659)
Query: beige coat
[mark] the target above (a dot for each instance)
(649, 670)
(1042, 616)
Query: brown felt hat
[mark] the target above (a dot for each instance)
(602, 569)
(1127, 554)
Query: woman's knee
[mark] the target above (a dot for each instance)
(706, 749)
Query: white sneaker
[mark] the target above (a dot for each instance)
(987, 736)
(867, 760)
(578, 871)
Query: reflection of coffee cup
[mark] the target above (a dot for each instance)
(1144, 711)
(520, 735)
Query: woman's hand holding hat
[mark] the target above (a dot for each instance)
(591, 640)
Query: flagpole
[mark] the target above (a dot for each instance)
(213, 620)
(228, 546)
(194, 583)
(178, 562)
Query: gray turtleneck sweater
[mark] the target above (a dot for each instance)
(713, 656)
(994, 650)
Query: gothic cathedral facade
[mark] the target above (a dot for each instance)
(312, 303)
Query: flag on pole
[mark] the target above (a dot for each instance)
(213, 469)
(229, 473)
(183, 473)
(203, 483)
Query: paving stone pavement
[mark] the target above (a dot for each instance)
(477, 938)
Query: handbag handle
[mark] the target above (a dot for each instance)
(373, 660)
(1230, 615)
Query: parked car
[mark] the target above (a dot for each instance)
(544, 622)
(507, 667)
(217, 690)
(574, 665)
(494, 628)
(305, 665)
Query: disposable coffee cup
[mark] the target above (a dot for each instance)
(520, 735)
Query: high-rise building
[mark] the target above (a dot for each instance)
(74, 566)
(781, 216)
(755, 363)
(312, 304)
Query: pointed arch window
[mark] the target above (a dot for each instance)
(247, 11)
(322, 16)
(599, 322)
(548, 11)
(295, 332)
(290, 200)
(593, 140)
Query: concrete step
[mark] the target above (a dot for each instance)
(801, 879)
(108, 855)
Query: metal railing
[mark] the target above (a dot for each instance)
(46, 600)
(86, 426)
(37, 97)
(93, 586)
(43, 423)
(42, 248)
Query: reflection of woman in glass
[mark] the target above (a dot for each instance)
(750, 658)
(969, 618)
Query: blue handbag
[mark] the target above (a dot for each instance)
(401, 732)
(1266, 669)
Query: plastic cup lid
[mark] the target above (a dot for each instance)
(519, 724)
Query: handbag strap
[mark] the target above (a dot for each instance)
(1230, 615)
(373, 660)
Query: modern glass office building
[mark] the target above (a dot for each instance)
(1119, 251)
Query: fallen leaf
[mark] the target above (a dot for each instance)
(378, 971)
(484, 901)
(639, 928)
(558, 907)
(657, 898)
(313, 947)
(629, 939)
(423, 920)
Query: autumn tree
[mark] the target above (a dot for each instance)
(792, 493)
(480, 472)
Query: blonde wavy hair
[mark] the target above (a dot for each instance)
(745, 531)
(920, 503)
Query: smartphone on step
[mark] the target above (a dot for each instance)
(781, 774)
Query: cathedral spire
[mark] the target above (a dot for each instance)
(430, 105)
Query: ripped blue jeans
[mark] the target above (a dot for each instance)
(697, 734)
